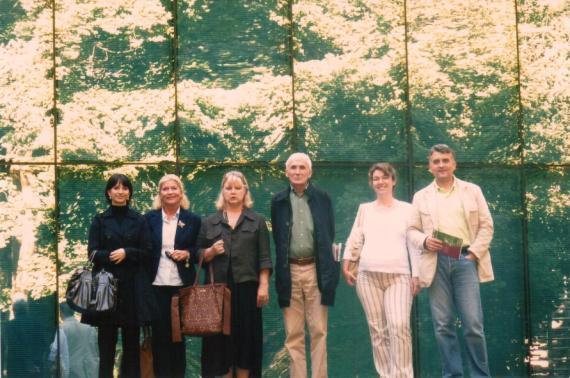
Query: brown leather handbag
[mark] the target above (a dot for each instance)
(201, 310)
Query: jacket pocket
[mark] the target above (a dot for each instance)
(472, 214)
(214, 233)
(426, 218)
(249, 227)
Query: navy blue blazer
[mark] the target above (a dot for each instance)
(185, 239)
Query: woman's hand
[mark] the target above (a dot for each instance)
(180, 255)
(349, 277)
(117, 256)
(415, 286)
(216, 249)
(262, 294)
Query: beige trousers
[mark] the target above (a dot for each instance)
(387, 302)
(306, 307)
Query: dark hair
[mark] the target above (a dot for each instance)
(385, 168)
(118, 178)
(442, 149)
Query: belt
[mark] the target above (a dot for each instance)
(465, 250)
(303, 261)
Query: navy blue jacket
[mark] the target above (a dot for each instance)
(323, 218)
(185, 239)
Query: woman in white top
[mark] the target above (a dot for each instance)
(387, 275)
(174, 233)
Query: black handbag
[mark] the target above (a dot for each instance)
(91, 293)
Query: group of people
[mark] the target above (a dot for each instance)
(154, 255)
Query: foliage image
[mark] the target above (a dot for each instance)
(198, 87)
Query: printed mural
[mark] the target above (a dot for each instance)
(198, 87)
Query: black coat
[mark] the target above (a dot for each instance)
(328, 270)
(185, 239)
(136, 304)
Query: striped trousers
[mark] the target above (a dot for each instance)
(387, 302)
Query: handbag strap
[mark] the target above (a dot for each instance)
(175, 318)
(91, 258)
(210, 269)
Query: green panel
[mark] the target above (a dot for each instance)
(27, 268)
(257, 80)
(26, 82)
(463, 79)
(349, 66)
(203, 184)
(115, 87)
(82, 196)
(27, 332)
(549, 210)
(234, 82)
(27, 238)
(503, 298)
(544, 47)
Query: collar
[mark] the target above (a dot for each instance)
(165, 217)
(292, 190)
(284, 195)
(439, 189)
(218, 217)
(130, 213)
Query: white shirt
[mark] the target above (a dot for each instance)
(386, 246)
(167, 274)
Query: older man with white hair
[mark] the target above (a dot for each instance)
(306, 274)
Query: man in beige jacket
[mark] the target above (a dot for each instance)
(457, 208)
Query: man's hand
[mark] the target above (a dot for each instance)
(433, 244)
(471, 256)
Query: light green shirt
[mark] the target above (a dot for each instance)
(302, 242)
(450, 214)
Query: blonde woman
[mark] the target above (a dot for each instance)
(174, 233)
(235, 240)
(387, 277)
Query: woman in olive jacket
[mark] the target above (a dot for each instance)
(119, 243)
(236, 241)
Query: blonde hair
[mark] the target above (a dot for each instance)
(157, 202)
(232, 176)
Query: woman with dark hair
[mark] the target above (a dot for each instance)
(119, 242)
(174, 231)
(387, 277)
(235, 240)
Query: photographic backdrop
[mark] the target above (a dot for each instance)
(198, 87)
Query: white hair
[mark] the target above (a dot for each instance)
(299, 156)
